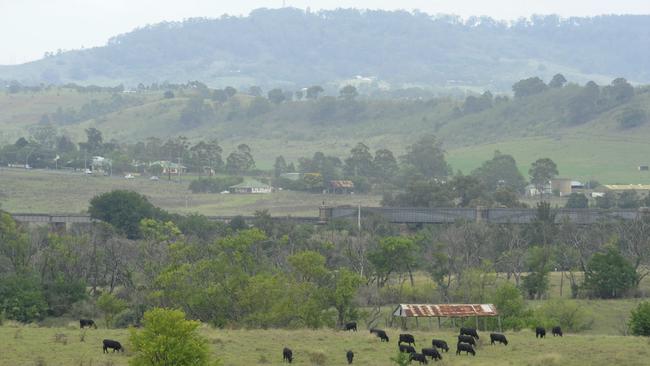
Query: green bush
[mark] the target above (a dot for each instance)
(21, 298)
(110, 306)
(511, 306)
(168, 339)
(640, 319)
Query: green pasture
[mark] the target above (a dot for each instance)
(30, 345)
(49, 191)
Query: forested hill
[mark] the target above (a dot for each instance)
(293, 48)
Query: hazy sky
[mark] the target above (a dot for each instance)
(28, 28)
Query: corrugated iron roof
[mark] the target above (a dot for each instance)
(445, 310)
(628, 187)
(341, 184)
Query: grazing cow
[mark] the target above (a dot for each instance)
(406, 338)
(557, 331)
(422, 359)
(438, 343)
(540, 332)
(87, 323)
(406, 348)
(287, 355)
(469, 331)
(432, 352)
(467, 339)
(496, 337)
(351, 326)
(464, 347)
(114, 345)
(350, 356)
(382, 335)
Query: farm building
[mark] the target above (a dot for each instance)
(451, 311)
(627, 187)
(250, 187)
(340, 186)
(561, 186)
(169, 167)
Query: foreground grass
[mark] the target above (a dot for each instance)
(38, 346)
(48, 191)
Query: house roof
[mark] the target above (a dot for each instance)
(445, 310)
(341, 184)
(251, 184)
(628, 187)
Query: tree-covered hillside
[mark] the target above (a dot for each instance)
(293, 48)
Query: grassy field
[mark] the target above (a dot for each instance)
(28, 191)
(39, 346)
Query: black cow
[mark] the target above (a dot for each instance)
(406, 338)
(351, 326)
(350, 356)
(496, 337)
(464, 347)
(557, 331)
(287, 355)
(382, 335)
(87, 323)
(467, 339)
(469, 331)
(432, 352)
(438, 343)
(422, 359)
(540, 332)
(114, 345)
(406, 348)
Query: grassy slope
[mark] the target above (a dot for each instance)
(67, 192)
(249, 347)
(596, 150)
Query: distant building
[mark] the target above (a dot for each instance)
(169, 167)
(340, 186)
(100, 165)
(250, 187)
(561, 186)
(627, 187)
(643, 168)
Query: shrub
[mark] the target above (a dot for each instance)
(168, 339)
(511, 306)
(110, 306)
(640, 319)
(317, 358)
(21, 298)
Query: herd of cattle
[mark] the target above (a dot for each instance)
(406, 343)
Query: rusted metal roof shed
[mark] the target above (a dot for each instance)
(445, 310)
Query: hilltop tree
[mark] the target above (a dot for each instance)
(528, 87)
(314, 91)
(255, 91)
(427, 157)
(348, 92)
(541, 172)
(230, 91)
(276, 96)
(558, 81)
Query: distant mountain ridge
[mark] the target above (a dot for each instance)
(293, 48)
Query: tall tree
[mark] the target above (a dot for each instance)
(427, 157)
(360, 161)
(541, 172)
